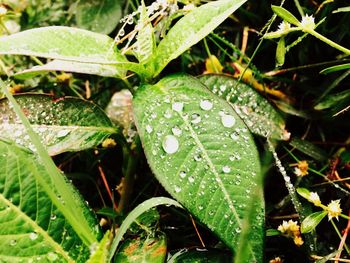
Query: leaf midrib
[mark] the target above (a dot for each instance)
(73, 127)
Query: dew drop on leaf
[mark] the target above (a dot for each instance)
(177, 189)
(149, 128)
(182, 174)
(196, 118)
(33, 236)
(227, 120)
(176, 131)
(52, 256)
(53, 217)
(62, 133)
(206, 105)
(13, 242)
(191, 179)
(177, 106)
(170, 144)
(226, 169)
(234, 136)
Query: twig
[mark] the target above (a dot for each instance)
(198, 234)
(102, 174)
(342, 242)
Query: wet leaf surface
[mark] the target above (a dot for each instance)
(201, 152)
(67, 124)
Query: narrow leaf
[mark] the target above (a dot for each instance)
(134, 214)
(309, 149)
(190, 29)
(200, 256)
(285, 15)
(98, 16)
(101, 253)
(66, 124)
(256, 112)
(335, 68)
(63, 43)
(312, 221)
(32, 227)
(103, 70)
(200, 151)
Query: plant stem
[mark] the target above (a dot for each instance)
(300, 9)
(329, 42)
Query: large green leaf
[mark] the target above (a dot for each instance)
(201, 152)
(32, 227)
(73, 66)
(257, 113)
(67, 124)
(190, 29)
(98, 16)
(64, 43)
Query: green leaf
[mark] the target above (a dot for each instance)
(57, 188)
(98, 16)
(272, 232)
(285, 15)
(334, 100)
(101, 253)
(66, 124)
(304, 192)
(103, 70)
(342, 9)
(200, 151)
(312, 221)
(190, 29)
(257, 113)
(335, 68)
(63, 43)
(280, 52)
(140, 250)
(146, 43)
(32, 227)
(309, 149)
(134, 214)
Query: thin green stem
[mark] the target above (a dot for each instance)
(328, 41)
(300, 9)
(340, 236)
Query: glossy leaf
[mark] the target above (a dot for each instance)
(67, 124)
(200, 151)
(63, 43)
(312, 221)
(190, 29)
(103, 70)
(254, 109)
(150, 249)
(335, 68)
(309, 149)
(285, 15)
(98, 16)
(32, 227)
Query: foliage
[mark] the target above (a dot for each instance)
(171, 122)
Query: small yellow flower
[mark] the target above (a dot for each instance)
(109, 143)
(276, 260)
(298, 241)
(291, 229)
(315, 199)
(334, 209)
(308, 23)
(301, 168)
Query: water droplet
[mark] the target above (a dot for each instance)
(182, 174)
(222, 88)
(149, 128)
(167, 114)
(52, 256)
(121, 32)
(200, 207)
(196, 118)
(191, 179)
(234, 136)
(13, 242)
(176, 131)
(170, 144)
(53, 217)
(206, 105)
(62, 133)
(238, 230)
(227, 120)
(197, 157)
(177, 106)
(33, 235)
(226, 169)
(177, 189)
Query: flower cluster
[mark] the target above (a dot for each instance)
(301, 168)
(333, 209)
(291, 229)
